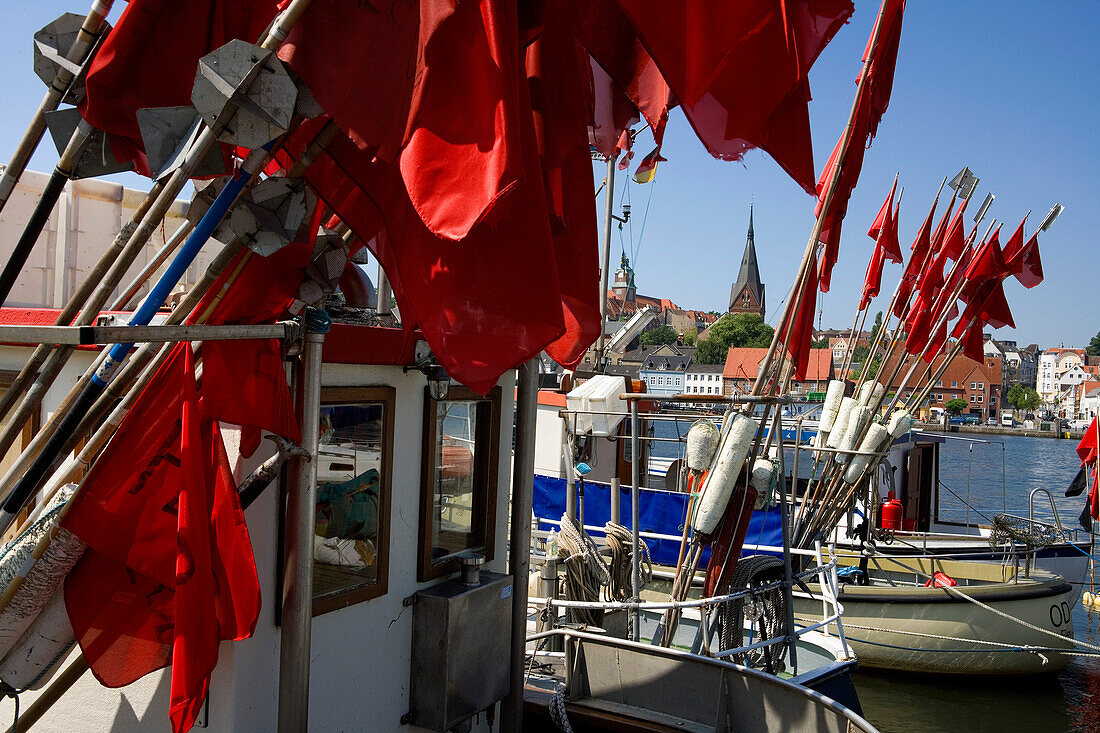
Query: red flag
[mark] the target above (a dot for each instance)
(935, 343)
(918, 325)
(149, 60)
(169, 570)
(955, 241)
(620, 57)
(461, 154)
(931, 279)
(871, 102)
(987, 305)
(986, 264)
(799, 331)
(557, 68)
(921, 247)
(1089, 447)
(873, 280)
(884, 213)
(703, 51)
(974, 342)
(613, 116)
(941, 228)
(1023, 260)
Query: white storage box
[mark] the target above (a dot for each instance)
(598, 394)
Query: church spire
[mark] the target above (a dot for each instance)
(747, 293)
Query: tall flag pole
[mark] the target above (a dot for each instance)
(871, 99)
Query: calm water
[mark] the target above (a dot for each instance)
(1067, 702)
(997, 476)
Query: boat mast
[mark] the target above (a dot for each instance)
(608, 215)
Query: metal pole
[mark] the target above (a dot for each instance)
(519, 546)
(609, 207)
(635, 567)
(788, 574)
(616, 499)
(383, 295)
(297, 611)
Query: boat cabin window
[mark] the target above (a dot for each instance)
(459, 479)
(354, 465)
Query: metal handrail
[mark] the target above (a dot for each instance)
(1054, 509)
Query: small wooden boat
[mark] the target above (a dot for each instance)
(995, 621)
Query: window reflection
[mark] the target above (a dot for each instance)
(350, 475)
(456, 451)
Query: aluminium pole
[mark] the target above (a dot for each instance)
(635, 479)
(519, 546)
(297, 603)
(608, 211)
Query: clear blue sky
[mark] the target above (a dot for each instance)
(1008, 88)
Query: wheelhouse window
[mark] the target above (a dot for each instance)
(354, 466)
(459, 479)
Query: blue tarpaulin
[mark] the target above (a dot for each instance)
(659, 511)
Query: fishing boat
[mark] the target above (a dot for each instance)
(386, 524)
(934, 615)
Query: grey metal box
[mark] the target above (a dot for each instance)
(460, 655)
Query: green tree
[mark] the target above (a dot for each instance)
(1015, 396)
(690, 338)
(822, 343)
(877, 327)
(955, 406)
(1093, 348)
(860, 353)
(737, 330)
(658, 336)
(1031, 400)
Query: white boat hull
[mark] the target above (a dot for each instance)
(932, 630)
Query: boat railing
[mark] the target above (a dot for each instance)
(825, 573)
(574, 641)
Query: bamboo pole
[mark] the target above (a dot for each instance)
(80, 53)
(794, 300)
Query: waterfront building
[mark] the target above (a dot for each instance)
(1053, 363)
(703, 379)
(742, 365)
(747, 293)
(979, 384)
(1010, 355)
(663, 370)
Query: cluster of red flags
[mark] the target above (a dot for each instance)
(839, 176)
(842, 171)
(463, 163)
(884, 230)
(1088, 450)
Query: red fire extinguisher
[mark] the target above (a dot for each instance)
(891, 513)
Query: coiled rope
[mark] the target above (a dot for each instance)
(585, 571)
(619, 541)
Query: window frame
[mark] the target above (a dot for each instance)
(486, 465)
(387, 395)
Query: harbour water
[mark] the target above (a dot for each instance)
(1069, 701)
(998, 477)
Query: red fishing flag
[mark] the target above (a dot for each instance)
(871, 103)
(799, 331)
(1023, 260)
(1089, 447)
(921, 247)
(703, 51)
(884, 214)
(149, 60)
(169, 571)
(622, 70)
(987, 264)
(955, 241)
(872, 282)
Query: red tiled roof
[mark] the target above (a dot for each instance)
(743, 363)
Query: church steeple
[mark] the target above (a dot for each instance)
(747, 293)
